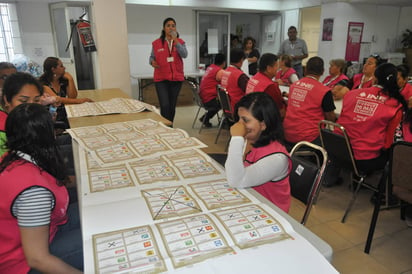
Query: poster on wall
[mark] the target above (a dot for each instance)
(353, 41)
(327, 29)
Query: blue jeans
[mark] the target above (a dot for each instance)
(167, 93)
(299, 70)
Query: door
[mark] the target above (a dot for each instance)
(212, 38)
(59, 14)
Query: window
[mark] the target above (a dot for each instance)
(10, 40)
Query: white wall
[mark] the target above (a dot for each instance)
(144, 24)
(36, 31)
(380, 22)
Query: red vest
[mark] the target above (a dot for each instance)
(304, 110)
(330, 82)
(407, 91)
(171, 71)
(285, 76)
(365, 115)
(258, 82)
(357, 80)
(3, 137)
(229, 81)
(13, 181)
(208, 84)
(278, 192)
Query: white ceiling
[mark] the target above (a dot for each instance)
(404, 3)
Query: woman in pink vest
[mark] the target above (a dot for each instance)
(336, 69)
(166, 59)
(361, 80)
(286, 75)
(257, 156)
(36, 232)
(370, 117)
(404, 132)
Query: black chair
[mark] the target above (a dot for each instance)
(306, 175)
(228, 115)
(398, 174)
(340, 152)
(196, 97)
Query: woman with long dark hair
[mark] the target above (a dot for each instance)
(370, 117)
(60, 84)
(166, 59)
(36, 231)
(257, 156)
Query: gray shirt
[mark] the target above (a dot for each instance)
(297, 48)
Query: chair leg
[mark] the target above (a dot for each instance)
(220, 128)
(197, 114)
(381, 189)
(203, 122)
(352, 201)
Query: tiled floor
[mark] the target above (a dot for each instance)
(391, 250)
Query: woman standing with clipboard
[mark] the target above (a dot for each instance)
(166, 59)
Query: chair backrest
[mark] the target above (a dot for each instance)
(400, 167)
(306, 176)
(337, 145)
(224, 100)
(195, 91)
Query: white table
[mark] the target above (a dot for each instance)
(140, 77)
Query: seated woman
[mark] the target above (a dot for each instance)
(286, 75)
(19, 88)
(361, 80)
(257, 156)
(370, 117)
(405, 129)
(57, 82)
(336, 73)
(40, 232)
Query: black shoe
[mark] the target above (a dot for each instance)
(336, 182)
(393, 200)
(205, 123)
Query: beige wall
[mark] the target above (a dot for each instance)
(112, 57)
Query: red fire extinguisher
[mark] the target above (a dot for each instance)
(85, 35)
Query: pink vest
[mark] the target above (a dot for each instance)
(171, 71)
(13, 181)
(407, 92)
(229, 81)
(407, 134)
(330, 82)
(357, 80)
(365, 115)
(304, 110)
(278, 192)
(259, 82)
(208, 84)
(285, 76)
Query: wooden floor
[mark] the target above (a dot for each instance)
(392, 245)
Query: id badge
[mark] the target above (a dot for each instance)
(170, 59)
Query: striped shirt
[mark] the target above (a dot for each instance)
(33, 207)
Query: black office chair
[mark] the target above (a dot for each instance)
(228, 115)
(398, 174)
(340, 152)
(306, 175)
